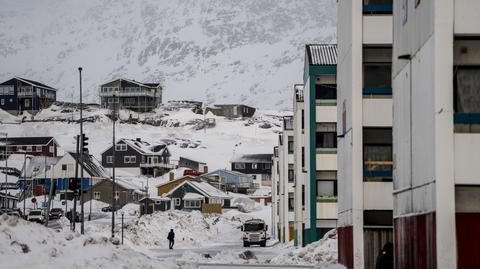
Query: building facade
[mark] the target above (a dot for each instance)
(275, 231)
(299, 162)
(131, 94)
(35, 146)
(320, 139)
(19, 94)
(436, 180)
(232, 111)
(364, 112)
(259, 166)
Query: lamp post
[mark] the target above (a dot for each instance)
(122, 226)
(82, 231)
(114, 118)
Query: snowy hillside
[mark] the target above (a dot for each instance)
(248, 51)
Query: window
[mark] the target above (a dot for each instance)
(267, 166)
(192, 204)
(377, 154)
(143, 159)
(38, 148)
(29, 149)
(326, 91)
(303, 119)
(377, 71)
(467, 89)
(290, 144)
(254, 166)
(130, 159)
(109, 159)
(327, 188)
(326, 135)
(117, 195)
(96, 195)
(121, 147)
(291, 202)
(27, 102)
(239, 166)
(176, 201)
(2, 102)
(291, 174)
(303, 157)
(51, 149)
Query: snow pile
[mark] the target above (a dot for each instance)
(29, 245)
(191, 229)
(322, 252)
(244, 204)
(223, 257)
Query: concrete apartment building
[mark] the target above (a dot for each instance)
(275, 231)
(364, 35)
(320, 139)
(436, 81)
(299, 162)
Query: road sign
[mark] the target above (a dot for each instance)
(44, 204)
(34, 200)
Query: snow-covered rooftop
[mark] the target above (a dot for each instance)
(192, 196)
(145, 147)
(252, 158)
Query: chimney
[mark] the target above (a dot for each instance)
(205, 169)
(138, 139)
(171, 176)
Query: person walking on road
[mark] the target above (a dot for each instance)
(171, 239)
(385, 258)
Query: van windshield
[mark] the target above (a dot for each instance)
(252, 227)
(35, 213)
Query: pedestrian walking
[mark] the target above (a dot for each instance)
(385, 258)
(171, 239)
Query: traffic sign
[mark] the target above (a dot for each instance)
(34, 200)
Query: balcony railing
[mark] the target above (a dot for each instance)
(157, 165)
(377, 91)
(377, 9)
(466, 118)
(128, 94)
(24, 94)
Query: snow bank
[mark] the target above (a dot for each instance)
(191, 229)
(29, 245)
(321, 253)
(223, 257)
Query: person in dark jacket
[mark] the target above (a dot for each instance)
(385, 258)
(171, 239)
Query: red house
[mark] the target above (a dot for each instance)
(37, 146)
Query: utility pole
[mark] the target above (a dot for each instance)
(114, 118)
(44, 180)
(81, 155)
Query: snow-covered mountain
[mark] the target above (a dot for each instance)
(249, 51)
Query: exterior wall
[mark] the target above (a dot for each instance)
(466, 17)
(467, 147)
(16, 103)
(377, 29)
(377, 112)
(286, 217)
(45, 149)
(275, 198)
(145, 100)
(105, 189)
(184, 162)
(377, 195)
(299, 168)
(165, 188)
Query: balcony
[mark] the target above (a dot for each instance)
(26, 94)
(128, 94)
(327, 209)
(326, 113)
(157, 165)
(385, 8)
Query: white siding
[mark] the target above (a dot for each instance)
(377, 29)
(377, 195)
(467, 19)
(326, 113)
(377, 112)
(327, 210)
(326, 162)
(467, 159)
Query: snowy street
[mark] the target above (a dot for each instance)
(230, 266)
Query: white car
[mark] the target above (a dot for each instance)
(35, 215)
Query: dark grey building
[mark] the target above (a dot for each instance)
(125, 193)
(257, 165)
(131, 94)
(192, 164)
(138, 157)
(232, 111)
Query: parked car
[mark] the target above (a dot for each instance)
(35, 215)
(56, 213)
(191, 172)
(110, 208)
(69, 216)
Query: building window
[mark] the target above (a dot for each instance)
(467, 89)
(291, 202)
(96, 195)
(291, 174)
(267, 166)
(378, 6)
(117, 195)
(192, 204)
(239, 166)
(109, 159)
(143, 159)
(130, 159)
(377, 71)
(176, 201)
(121, 147)
(326, 136)
(377, 154)
(29, 149)
(2, 102)
(327, 188)
(254, 166)
(27, 102)
(303, 119)
(290, 144)
(38, 148)
(51, 149)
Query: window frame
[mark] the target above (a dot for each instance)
(239, 166)
(97, 195)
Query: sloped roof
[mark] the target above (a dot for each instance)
(176, 179)
(235, 173)
(91, 165)
(192, 196)
(142, 84)
(35, 83)
(253, 158)
(25, 141)
(322, 54)
(202, 187)
(155, 198)
(144, 147)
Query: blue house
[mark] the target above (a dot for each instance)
(19, 94)
(192, 195)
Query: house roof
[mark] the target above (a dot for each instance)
(91, 165)
(175, 180)
(192, 196)
(202, 187)
(36, 167)
(322, 54)
(144, 147)
(156, 198)
(235, 173)
(142, 84)
(26, 141)
(35, 83)
(252, 158)
(192, 160)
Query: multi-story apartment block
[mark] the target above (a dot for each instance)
(365, 130)
(131, 94)
(436, 81)
(275, 231)
(299, 162)
(320, 139)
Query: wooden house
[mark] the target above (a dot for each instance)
(36, 146)
(232, 110)
(154, 204)
(192, 195)
(257, 165)
(126, 192)
(171, 184)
